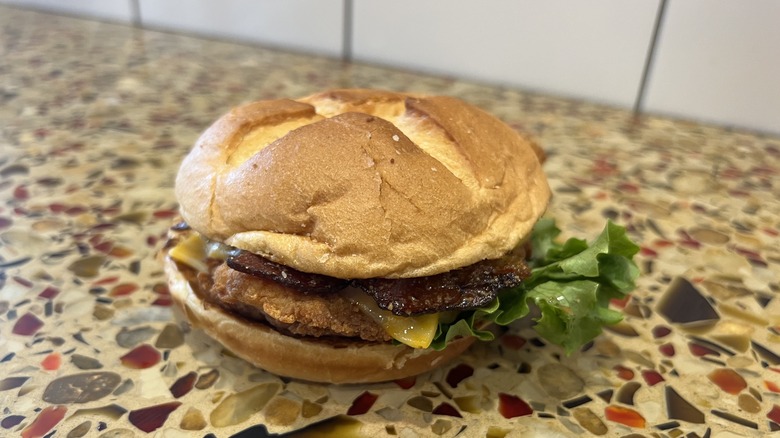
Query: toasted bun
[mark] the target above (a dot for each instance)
(364, 183)
(306, 359)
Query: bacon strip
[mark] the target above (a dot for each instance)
(466, 288)
(307, 283)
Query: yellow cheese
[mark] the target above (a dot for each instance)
(414, 331)
(191, 251)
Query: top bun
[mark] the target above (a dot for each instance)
(364, 183)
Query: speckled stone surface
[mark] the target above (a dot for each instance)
(94, 119)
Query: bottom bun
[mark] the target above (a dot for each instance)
(309, 359)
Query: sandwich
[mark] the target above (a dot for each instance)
(364, 235)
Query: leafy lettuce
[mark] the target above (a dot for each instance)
(571, 284)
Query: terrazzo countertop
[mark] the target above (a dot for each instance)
(94, 119)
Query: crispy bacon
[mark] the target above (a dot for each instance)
(252, 264)
(465, 288)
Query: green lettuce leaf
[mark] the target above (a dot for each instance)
(571, 284)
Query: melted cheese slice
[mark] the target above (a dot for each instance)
(191, 251)
(414, 331)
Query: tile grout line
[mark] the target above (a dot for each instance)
(650, 58)
(135, 13)
(346, 32)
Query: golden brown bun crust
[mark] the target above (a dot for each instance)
(306, 359)
(364, 183)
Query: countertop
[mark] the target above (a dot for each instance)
(94, 119)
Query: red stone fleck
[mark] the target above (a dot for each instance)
(41, 133)
(690, 244)
(23, 281)
(667, 349)
(27, 325)
(19, 211)
(57, 207)
(52, 362)
(142, 356)
(626, 416)
(104, 281)
(728, 380)
(151, 241)
(513, 341)
(628, 187)
(184, 384)
(76, 210)
(120, 252)
(652, 377)
(774, 414)
(749, 254)
(406, 382)
(623, 372)
(5, 222)
(700, 350)
(162, 301)
(730, 172)
(511, 406)
(104, 247)
(49, 293)
(772, 386)
(21, 193)
(687, 240)
(660, 331)
(602, 167)
(161, 289)
(458, 373)
(165, 214)
(662, 243)
(362, 403)
(123, 289)
(45, 421)
(740, 193)
(446, 409)
(647, 252)
(153, 417)
(770, 231)
(620, 303)
(763, 170)
(746, 252)
(103, 227)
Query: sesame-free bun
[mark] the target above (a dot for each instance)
(312, 359)
(364, 183)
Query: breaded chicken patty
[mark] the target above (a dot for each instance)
(290, 310)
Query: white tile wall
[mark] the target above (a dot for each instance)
(592, 50)
(114, 10)
(716, 60)
(719, 61)
(304, 25)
